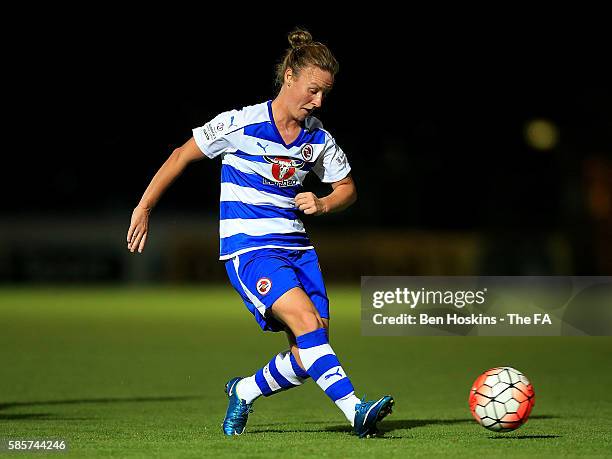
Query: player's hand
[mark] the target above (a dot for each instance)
(139, 228)
(310, 204)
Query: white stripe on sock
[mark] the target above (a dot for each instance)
(310, 355)
(284, 367)
(271, 381)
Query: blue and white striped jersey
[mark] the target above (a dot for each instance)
(261, 175)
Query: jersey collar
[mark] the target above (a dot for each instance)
(280, 138)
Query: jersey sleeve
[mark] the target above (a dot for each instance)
(211, 138)
(331, 165)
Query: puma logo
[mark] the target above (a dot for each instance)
(337, 373)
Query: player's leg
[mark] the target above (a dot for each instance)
(296, 310)
(293, 347)
(363, 415)
(281, 373)
(260, 278)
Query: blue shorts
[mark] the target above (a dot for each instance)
(261, 276)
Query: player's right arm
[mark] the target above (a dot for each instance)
(170, 170)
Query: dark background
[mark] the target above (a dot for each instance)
(432, 119)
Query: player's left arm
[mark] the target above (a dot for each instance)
(344, 193)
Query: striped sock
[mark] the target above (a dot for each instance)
(324, 367)
(280, 373)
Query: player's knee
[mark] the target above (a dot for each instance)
(309, 321)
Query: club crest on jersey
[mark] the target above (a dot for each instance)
(307, 151)
(264, 285)
(283, 169)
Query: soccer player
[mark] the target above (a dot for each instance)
(266, 151)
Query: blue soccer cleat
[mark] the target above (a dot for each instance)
(237, 410)
(367, 414)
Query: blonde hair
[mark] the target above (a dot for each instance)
(304, 52)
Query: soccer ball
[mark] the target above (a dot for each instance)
(501, 399)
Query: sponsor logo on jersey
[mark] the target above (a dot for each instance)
(307, 151)
(264, 285)
(283, 168)
(209, 131)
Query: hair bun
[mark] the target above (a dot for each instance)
(299, 38)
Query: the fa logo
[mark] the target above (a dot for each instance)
(264, 285)
(307, 152)
(283, 168)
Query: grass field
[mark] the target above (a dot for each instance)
(140, 373)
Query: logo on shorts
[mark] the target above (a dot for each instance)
(307, 152)
(264, 285)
